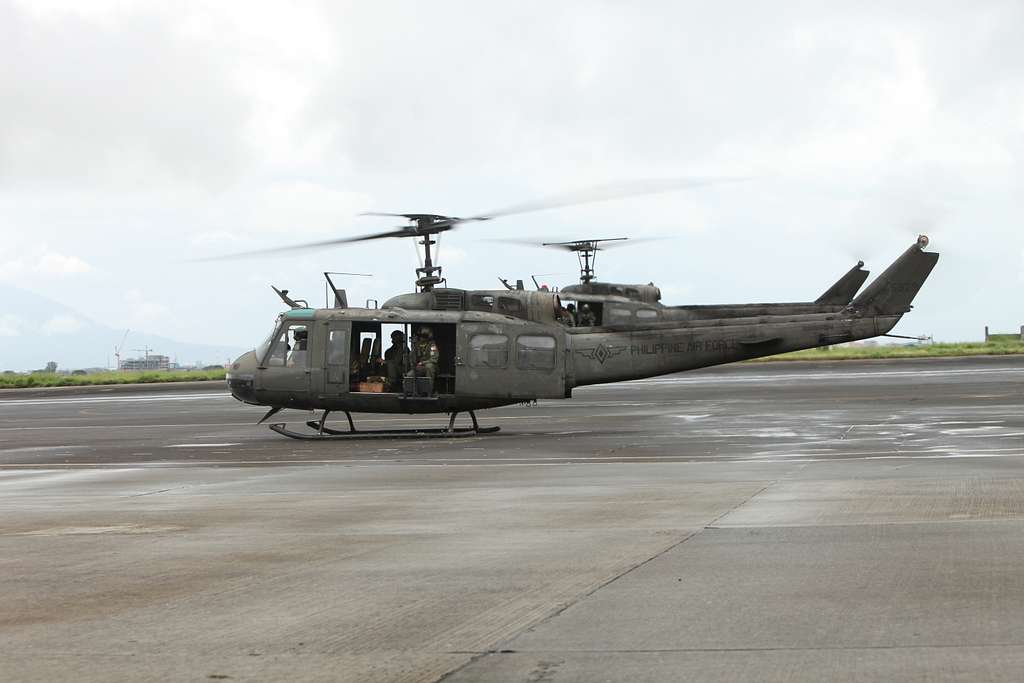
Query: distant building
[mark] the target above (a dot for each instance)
(155, 362)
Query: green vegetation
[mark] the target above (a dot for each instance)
(50, 379)
(994, 348)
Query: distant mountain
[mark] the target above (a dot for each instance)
(35, 330)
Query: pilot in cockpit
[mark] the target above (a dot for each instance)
(297, 356)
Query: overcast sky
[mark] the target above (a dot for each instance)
(137, 136)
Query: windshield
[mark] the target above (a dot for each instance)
(262, 349)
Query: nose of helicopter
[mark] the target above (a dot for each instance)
(240, 377)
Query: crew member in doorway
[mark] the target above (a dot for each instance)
(586, 317)
(396, 360)
(425, 356)
(570, 319)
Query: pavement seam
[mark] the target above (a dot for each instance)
(753, 649)
(497, 649)
(711, 524)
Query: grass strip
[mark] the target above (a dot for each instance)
(942, 350)
(51, 379)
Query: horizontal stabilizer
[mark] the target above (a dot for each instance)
(845, 287)
(892, 292)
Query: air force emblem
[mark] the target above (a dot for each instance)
(601, 353)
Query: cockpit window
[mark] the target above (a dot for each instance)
(298, 356)
(290, 347)
(261, 350)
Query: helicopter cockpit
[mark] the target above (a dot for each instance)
(290, 347)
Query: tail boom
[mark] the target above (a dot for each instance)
(612, 356)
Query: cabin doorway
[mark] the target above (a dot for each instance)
(381, 358)
(576, 309)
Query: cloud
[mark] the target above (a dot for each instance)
(217, 239)
(62, 324)
(285, 207)
(41, 260)
(11, 325)
(142, 310)
(53, 263)
(121, 99)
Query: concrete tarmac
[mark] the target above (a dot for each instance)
(784, 521)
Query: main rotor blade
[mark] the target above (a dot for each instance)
(574, 245)
(401, 232)
(410, 216)
(406, 231)
(600, 193)
(517, 242)
(615, 244)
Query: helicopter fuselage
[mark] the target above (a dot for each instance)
(489, 360)
(502, 347)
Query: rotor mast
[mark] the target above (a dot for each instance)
(586, 252)
(429, 275)
(587, 256)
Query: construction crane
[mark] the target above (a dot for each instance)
(145, 350)
(117, 349)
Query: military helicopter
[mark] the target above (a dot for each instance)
(626, 305)
(490, 348)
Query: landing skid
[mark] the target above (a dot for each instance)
(323, 432)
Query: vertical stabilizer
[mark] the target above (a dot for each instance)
(845, 287)
(892, 292)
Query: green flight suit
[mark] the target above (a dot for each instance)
(425, 358)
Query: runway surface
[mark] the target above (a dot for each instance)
(855, 520)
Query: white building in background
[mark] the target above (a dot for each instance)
(155, 362)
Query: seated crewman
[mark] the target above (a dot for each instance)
(586, 317)
(425, 355)
(571, 318)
